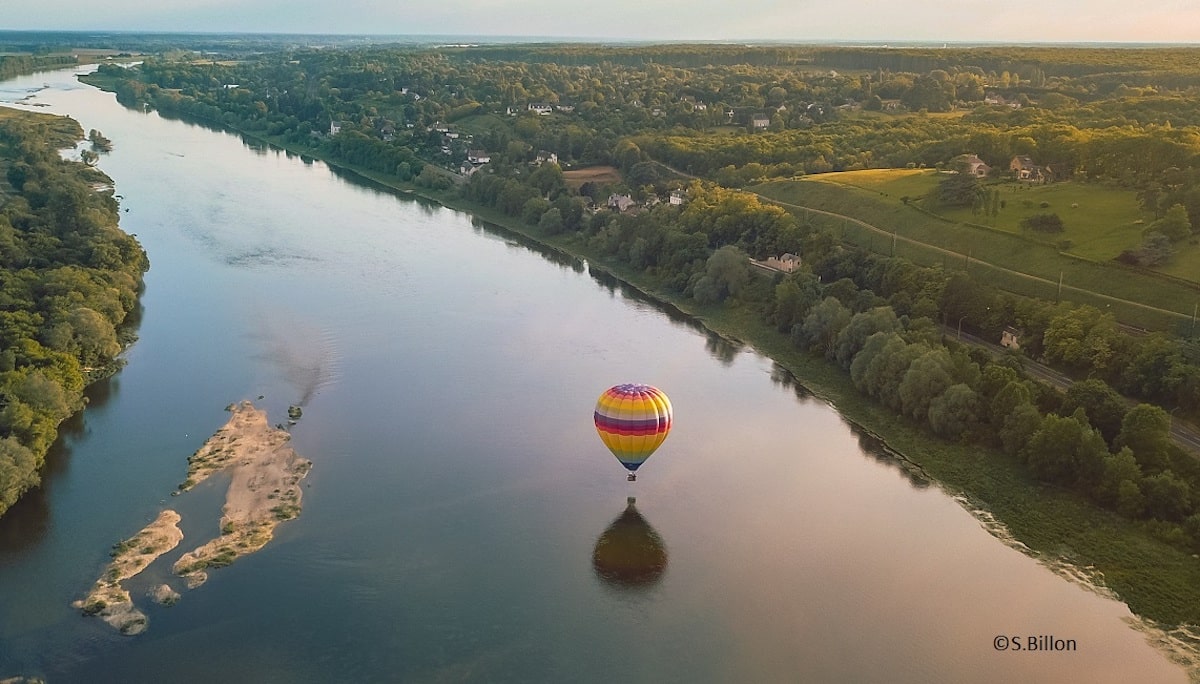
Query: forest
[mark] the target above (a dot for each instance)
(70, 279)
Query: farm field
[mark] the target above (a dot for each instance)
(1100, 221)
(596, 174)
(993, 254)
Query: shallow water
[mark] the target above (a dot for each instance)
(459, 492)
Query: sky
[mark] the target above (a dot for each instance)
(870, 21)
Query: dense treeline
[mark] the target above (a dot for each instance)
(12, 66)
(68, 279)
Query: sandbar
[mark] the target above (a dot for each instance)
(108, 599)
(263, 491)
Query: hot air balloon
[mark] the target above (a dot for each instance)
(633, 420)
(630, 554)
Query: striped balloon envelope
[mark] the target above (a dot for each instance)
(633, 420)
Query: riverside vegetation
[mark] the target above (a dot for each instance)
(1080, 476)
(70, 280)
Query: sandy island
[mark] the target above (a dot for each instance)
(108, 599)
(263, 491)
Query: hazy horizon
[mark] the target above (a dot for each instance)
(801, 21)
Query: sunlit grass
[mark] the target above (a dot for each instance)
(872, 199)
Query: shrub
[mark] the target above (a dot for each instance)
(1043, 223)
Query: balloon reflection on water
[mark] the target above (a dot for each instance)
(630, 554)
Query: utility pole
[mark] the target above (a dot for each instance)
(1058, 298)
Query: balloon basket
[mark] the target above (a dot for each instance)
(632, 477)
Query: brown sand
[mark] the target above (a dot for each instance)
(264, 489)
(108, 598)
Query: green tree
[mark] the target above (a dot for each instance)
(852, 338)
(1118, 468)
(821, 327)
(726, 272)
(1174, 224)
(955, 412)
(927, 377)
(1104, 407)
(1167, 497)
(551, 222)
(1146, 431)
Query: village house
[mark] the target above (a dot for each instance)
(545, 157)
(335, 127)
(1010, 338)
(677, 197)
(786, 263)
(565, 108)
(542, 108)
(1024, 168)
(976, 166)
(620, 202)
(760, 121)
(890, 105)
(478, 156)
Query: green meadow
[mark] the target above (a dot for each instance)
(1101, 222)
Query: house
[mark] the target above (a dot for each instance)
(760, 121)
(620, 202)
(541, 108)
(546, 157)
(1024, 168)
(335, 127)
(565, 109)
(677, 197)
(786, 263)
(890, 105)
(478, 156)
(976, 166)
(1010, 338)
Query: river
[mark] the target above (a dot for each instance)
(459, 492)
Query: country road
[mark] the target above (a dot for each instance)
(1183, 433)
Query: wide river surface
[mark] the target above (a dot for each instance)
(462, 521)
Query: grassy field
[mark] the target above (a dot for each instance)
(1100, 221)
(1020, 263)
